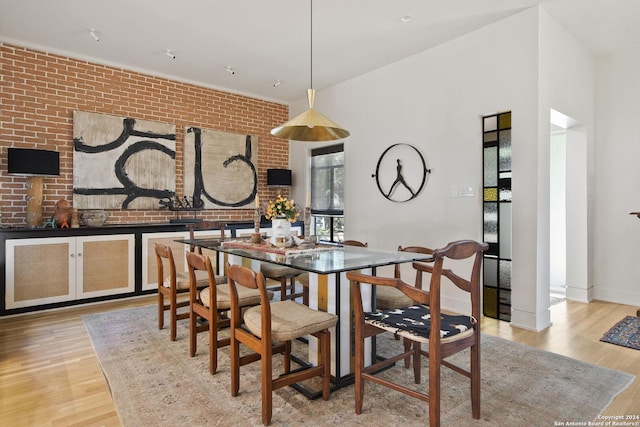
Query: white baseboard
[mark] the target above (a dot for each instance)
(617, 296)
(530, 321)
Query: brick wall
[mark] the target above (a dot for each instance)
(39, 92)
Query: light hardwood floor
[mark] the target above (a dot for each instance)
(50, 376)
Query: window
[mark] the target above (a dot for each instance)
(327, 192)
(496, 142)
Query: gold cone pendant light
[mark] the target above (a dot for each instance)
(310, 125)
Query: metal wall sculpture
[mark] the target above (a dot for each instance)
(121, 163)
(401, 173)
(220, 168)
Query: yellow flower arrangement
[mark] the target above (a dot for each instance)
(282, 207)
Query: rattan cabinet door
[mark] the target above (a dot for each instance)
(40, 271)
(105, 265)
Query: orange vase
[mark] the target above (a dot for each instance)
(63, 213)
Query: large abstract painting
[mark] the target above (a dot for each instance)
(220, 168)
(122, 163)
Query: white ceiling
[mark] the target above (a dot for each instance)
(265, 41)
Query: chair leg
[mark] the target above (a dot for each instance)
(267, 388)
(160, 310)
(292, 282)
(193, 339)
(287, 357)
(235, 365)
(475, 381)
(417, 365)
(174, 316)
(283, 288)
(359, 366)
(213, 342)
(434, 387)
(407, 346)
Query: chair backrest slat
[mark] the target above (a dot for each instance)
(238, 275)
(165, 254)
(204, 225)
(355, 243)
(414, 249)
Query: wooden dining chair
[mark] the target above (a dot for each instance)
(424, 322)
(269, 329)
(207, 226)
(286, 276)
(170, 286)
(204, 225)
(211, 304)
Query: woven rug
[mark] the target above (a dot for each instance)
(154, 382)
(625, 333)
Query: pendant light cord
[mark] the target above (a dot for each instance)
(311, 50)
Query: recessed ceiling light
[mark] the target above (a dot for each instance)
(406, 18)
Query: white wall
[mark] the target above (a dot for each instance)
(434, 100)
(616, 234)
(566, 85)
(558, 225)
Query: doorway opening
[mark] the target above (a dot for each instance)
(558, 216)
(568, 210)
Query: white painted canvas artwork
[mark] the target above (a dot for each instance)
(121, 162)
(220, 168)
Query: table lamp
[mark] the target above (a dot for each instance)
(34, 164)
(279, 178)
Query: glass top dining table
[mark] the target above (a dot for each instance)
(322, 259)
(329, 290)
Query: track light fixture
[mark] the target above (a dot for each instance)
(170, 54)
(94, 34)
(230, 70)
(276, 83)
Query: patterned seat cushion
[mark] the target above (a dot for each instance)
(414, 322)
(289, 320)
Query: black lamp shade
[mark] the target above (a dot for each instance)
(28, 162)
(279, 177)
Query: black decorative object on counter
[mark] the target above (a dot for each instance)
(183, 204)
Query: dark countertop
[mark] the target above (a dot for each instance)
(22, 232)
